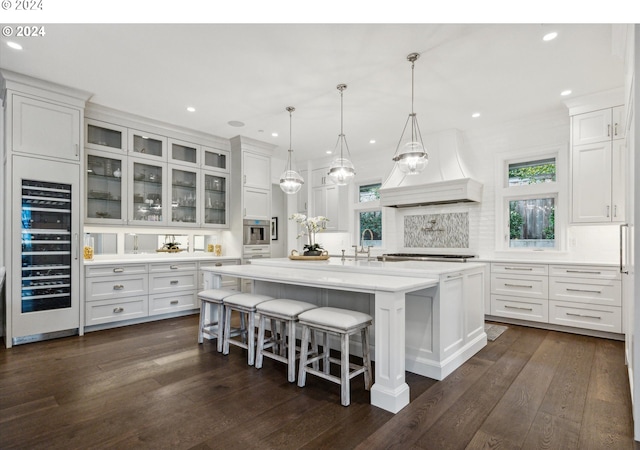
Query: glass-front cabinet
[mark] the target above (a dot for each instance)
(147, 145)
(105, 136)
(184, 196)
(104, 187)
(216, 200)
(215, 159)
(184, 153)
(146, 192)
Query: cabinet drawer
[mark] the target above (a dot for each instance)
(167, 282)
(533, 309)
(173, 267)
(519, 269)
(122, 286)
(167, 303)
(121, 269)
(590, 272)
(112, 311)
(520, 285)
(592, 317)
(585, 291)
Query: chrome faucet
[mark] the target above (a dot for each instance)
(362, 250)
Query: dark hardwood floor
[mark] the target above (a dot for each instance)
(153, 386)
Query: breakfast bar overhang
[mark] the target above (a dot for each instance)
(445, 325)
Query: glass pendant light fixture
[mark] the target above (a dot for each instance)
(290, 180)
(411, 157)
(341, 170)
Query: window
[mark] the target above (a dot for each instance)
(369, 215)
(528, 202)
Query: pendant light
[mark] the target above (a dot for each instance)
(341, 170)
(411, 157)
(290, 180)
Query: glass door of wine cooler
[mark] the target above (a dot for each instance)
(45, 268)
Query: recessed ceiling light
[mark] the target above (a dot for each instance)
(235, 123)
(191, 109)
(566, 92)
(372, 141)
(550, 36)
(14, 45)
(328, 152)
(475, 115)
(274, 134)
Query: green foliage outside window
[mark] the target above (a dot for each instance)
(532, 173)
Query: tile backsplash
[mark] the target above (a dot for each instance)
(448, 230)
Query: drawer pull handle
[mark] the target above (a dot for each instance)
(118, 287)
(174, 302)
(118, 270)
(455, 275)
(519, 285)
(218, 264)
(593, 291)
(518, 268)
(518, 307)
(173, 267)
(173, 282)
(118, 309)
(593, 272)
(586, 316)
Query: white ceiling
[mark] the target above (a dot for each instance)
(250, 73)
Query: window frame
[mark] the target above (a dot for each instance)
(371, 206)
(558, 190)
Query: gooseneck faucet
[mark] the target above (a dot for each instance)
(362, 250)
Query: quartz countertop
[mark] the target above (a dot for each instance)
(156, 257)
(398, 268)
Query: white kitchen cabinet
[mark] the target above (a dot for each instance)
(185, 189)
(105, 136)
(598, 160)
(302, 196)
(45, 128)
(105, 187)
(329, 200)
(598, 126)
(172, 287)
(147, 145)
(147, 196)
(232, 283)
(256, 170)
(257, 204)
(215, 159)
(184, 153)
(520, 291)
(214, 200)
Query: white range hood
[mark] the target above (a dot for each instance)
(444, 180)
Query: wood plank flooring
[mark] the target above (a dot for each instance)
(153, 386)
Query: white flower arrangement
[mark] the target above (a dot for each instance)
(309, 226)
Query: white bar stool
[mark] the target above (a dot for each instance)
(210, 299)
(245, 304)
(285, 312)
(341, 322)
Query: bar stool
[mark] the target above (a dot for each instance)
(285, 312)
(343, 323)
(245, 304)
(210, 299)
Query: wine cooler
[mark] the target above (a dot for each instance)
(45, 224)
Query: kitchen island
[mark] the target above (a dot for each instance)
(428, 317)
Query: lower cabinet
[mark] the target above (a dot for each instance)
(118, 292)
(587, 297)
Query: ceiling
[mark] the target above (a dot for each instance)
(251, 73)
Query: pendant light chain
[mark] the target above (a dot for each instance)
(290, 180)
(290, 109)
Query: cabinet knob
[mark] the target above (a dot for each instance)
(118, 309)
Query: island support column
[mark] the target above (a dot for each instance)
(390, 391)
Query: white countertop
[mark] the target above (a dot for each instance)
(328, 278)
(400, 268)
(156, 257)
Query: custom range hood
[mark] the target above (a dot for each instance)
(443, 181)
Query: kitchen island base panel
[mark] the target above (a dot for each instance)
(392, 400)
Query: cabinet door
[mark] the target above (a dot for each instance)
(618, 123)
(184, 153)
(214, 159)
(46, 129)
(256, 169)
(257, 204)
(618, 180)
(105, 136)
(302, 197)
(319, 197)
(105, 191)
(184, 184)
(215, 200)
(147, 145)
(146, 192)
(591, 182)
(332, 207)
(591, 127)
(319, 177)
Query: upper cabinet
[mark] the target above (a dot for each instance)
(256, 170)
(45, 128)
(147, 145)
(184, 153)
(598, 155)
(105, 136)
(104, 186)
(329, 200)
(214, 159)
